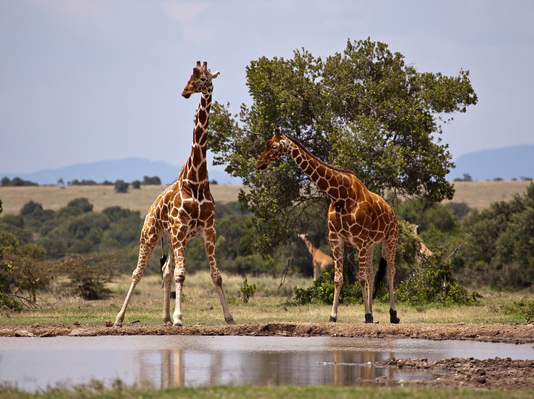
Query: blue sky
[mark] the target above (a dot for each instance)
(91, 80)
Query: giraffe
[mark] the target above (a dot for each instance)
(320, 260)
(422, 249)
(183, 211)
(356, 217)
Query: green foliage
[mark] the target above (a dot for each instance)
(121, 187)
(16, 182)
(322, 290)
(364, 110)
(500, 248)
(88, 277)
(523, 308)
(155, 180)
(432, 283)
(247, 291)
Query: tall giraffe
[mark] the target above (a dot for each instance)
(320, 260)
(356, 217)
(183, 211)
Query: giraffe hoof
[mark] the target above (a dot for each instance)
(230, 321)
(393, 317)
(368, 318)
(332, 319)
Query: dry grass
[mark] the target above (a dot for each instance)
(477, 195)
(270, 304)
(55, 197)
(480, 194)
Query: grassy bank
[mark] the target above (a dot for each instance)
(271, 303)
(268, 392)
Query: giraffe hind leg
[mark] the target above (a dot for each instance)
(390, 251)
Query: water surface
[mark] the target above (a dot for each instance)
(177, 361)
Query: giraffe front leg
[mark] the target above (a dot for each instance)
(209, 238)
(337, 251)
(167, 271)
(145, 250)
(179, 278)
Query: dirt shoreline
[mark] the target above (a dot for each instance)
(457, 372)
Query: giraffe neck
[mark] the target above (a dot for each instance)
(308, 244)
(336, 183)
(195, 170)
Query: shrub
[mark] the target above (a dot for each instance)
(121, 186)
(523, 308)
(248, 291)
(88, 276)
(432, 282)
(322, 290)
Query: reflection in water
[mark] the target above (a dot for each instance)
(177, 361)
(179, 368)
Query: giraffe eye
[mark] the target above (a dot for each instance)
(275, 147)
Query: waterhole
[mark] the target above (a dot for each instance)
(192, 361)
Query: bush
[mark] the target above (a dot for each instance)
(323, 288)
(248, 291)
(88, 277)
(523, 308)
(121, 186)
(432, 282)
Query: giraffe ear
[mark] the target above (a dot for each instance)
(276, 134)
(215, 74)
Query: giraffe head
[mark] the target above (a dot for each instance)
(274, 149)
(200, 80)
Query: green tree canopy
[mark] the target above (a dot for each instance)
(364, 110)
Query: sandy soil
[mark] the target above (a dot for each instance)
(456, 372)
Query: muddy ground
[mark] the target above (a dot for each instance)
(456, 372)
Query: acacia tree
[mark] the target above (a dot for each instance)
(364, 110)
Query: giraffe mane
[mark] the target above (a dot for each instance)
(301, 146)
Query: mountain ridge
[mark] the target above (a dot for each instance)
(507, 163)
(127, 169)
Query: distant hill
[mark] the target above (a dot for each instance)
(506, 163)
(128, 169)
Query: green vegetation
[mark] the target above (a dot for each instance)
(78, 252)
(247, 290)
(364, 110)
(16, 182)
(96, 389)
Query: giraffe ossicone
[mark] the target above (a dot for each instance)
(356, 217)
(183, 211)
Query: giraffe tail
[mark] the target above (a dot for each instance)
(379, 276)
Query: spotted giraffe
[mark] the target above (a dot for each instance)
(183, 211)
(320, 260)
(356, 217)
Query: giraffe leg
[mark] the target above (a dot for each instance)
(365, 282)
(389, 251)
(168, 271)
(209, 238)
(179, 277)
(337, 252)
(145, 250)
